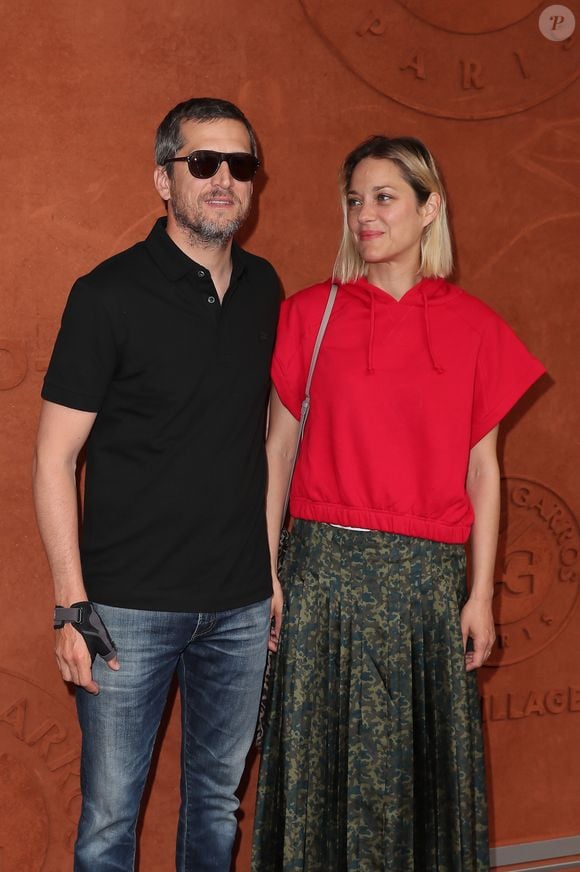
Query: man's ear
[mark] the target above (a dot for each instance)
(162, 182)
(431, 208)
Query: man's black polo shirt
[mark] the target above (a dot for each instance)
(174, 514)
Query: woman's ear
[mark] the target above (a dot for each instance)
(431, 207)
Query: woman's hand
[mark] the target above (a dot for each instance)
(477, 624)
(275, 613)
(483, 489)
(280, 448)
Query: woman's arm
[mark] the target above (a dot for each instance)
(483, 489)
(280, 447)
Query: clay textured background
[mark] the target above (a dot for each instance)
(84, 86)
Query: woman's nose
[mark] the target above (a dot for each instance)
(366, 212)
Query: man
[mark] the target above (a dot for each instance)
(161, 366)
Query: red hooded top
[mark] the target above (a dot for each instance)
(400, 394)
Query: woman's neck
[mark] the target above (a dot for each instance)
(393, 278)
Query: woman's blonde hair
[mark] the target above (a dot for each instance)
(419, 170)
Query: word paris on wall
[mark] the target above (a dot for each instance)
(39, 777)
(466, 61)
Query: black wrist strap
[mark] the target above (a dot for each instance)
(87, 621)
(63, 615)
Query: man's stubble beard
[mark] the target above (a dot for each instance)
(203, 231)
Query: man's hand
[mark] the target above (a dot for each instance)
(477, 625)
(74, 659)
(275, 614)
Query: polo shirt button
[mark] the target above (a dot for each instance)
(211, 299)
(200, 273)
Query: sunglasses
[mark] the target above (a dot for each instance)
(204, 164)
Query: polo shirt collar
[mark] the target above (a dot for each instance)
(174, 263)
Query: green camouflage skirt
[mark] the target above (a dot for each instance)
(372, 756)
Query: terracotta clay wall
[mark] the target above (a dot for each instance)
(83, 88)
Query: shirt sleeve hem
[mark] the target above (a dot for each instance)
(284, 392)
(71, 399)
(482, 427)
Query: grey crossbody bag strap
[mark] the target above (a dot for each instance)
(306, 401)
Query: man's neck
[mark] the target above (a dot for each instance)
(217, 259)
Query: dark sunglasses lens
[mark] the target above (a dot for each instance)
(203, 164)
(243, 166)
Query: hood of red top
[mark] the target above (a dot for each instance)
(435, 291)
(426, 294)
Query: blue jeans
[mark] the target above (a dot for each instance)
(219, 658)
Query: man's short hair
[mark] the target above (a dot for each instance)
(169, 139)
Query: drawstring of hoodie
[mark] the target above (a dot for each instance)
(370, 350)
(370, 356)
(436, 365)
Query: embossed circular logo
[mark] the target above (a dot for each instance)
(537, 573)
(39, 777)
(557, 23)
(454, 60)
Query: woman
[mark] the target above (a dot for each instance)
(372, 757)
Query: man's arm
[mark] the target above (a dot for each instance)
(483, 489)
(62, 433)
(280, 447)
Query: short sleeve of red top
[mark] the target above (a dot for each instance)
(400, 394)
(505, 369)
